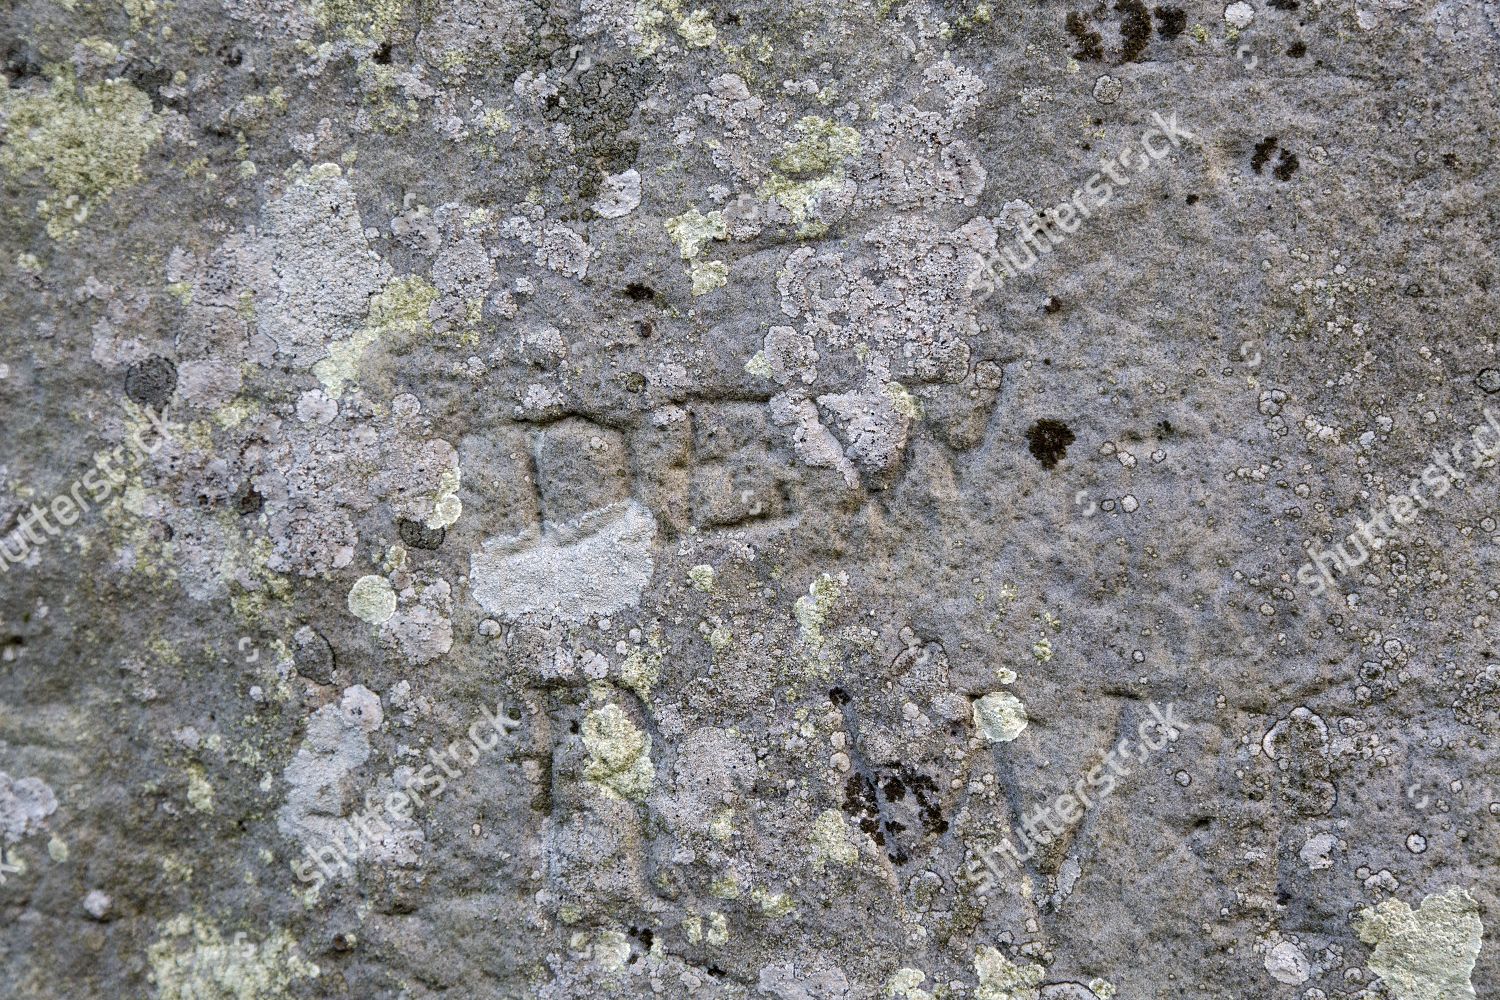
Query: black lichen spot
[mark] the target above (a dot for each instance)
(151, 382)
(1262, 154)
(638, 292)
(1052, 305)
(1450, 161)
(417, 535)
(838, 696)
(1286, 166)
(1170, 22)
(1048, 441)
(1090, 42)
(1135, 28)
(1298, 50)
(644, 329)
(382, 55)
(1191, 199)
(1285, 4)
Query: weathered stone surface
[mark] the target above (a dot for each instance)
(802, 500)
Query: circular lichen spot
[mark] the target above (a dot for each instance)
(999, 717)
(151, 382)
(1488, 379)
(371, 599)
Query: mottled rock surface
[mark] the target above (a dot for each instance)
(614, 498)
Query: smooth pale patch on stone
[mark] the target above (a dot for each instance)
(619, 195)
(1287, 964)
(1427, 953)
(999, 717)
(595, 565)
(1239, 15)
(372, 599)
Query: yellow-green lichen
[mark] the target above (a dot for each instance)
(642, 666)
(200, 792)
(708, 275)
(1426, 954)
(361, 20)
(619, 754)
(692, 230)
(812, 609)
(85, 142)
(831, 841)
(772, 904)
(397, 313)
(1002, 979)
(822, 145)
(905, 984)
(193, 961)
(697, 29)
(999, 717)
(372, 599)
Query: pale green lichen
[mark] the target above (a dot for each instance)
(692, 230)
(831, 841)
(903, 401)
(447, 508)
(642, 666)
(796, 196)
(905, 983)
(697, 29)
(812, 608)
(773, 904)
(361, 20)
(702, 577)
(810, 166)
(619, 754)
(1426, 954)
(372, 599)
(708, 275)
(398, 312)
(1002, 979)
(193, 961)
(999, 717)
(85, 142)
(200, 792)
(822, 146)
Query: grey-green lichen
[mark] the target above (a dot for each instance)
(85, 141)
(193, 961)
(398, 312)
(831, 840)
(619, 753)
(999, 716)
(1002, 979)
(1427, 953)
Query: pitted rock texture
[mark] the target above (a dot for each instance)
(563, 499)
